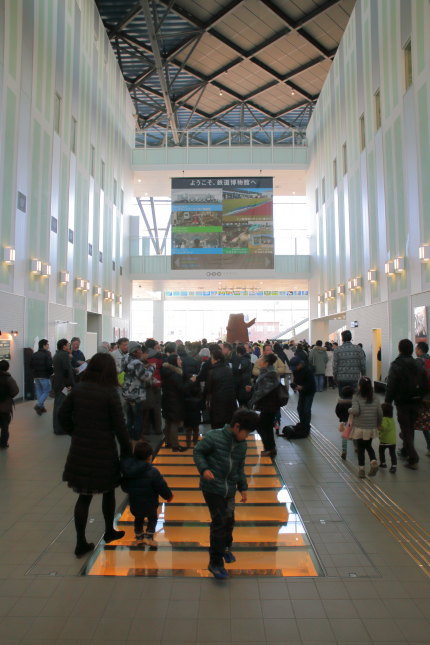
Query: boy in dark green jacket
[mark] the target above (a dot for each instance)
(220, 459)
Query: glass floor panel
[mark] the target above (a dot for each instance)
(269, 536)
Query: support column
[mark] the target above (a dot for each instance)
(158, 319)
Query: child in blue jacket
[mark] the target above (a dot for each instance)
(144, 483)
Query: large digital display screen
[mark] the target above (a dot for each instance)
(222, 223)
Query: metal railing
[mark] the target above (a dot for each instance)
(217, 136)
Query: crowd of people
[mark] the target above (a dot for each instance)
(125, 391)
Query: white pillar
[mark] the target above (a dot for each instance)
(158, 319)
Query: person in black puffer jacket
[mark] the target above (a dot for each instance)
(242, 374)
(144, 483)
(406, 386)
(8, 390)
(220, 391)
(92, 415)
(175, 389)
(42, 369)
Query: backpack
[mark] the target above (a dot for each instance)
(295, 432)
(414, 385)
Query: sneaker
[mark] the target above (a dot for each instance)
(179, 449)
(361, 473)
(218, 572)
(38, 410)
(373, 468)
(343, 454)
(393, 469)
(139, 537)
(229, 557)
(149, 540)
(383, 465)
(113, 535)
(411, 466)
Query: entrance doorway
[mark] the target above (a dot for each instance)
(376, 355)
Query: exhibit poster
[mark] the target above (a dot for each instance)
(222, 223)
(420, 325)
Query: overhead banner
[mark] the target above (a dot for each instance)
(222, 223)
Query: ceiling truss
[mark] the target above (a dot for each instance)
(259, 82)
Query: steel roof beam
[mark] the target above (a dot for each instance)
(129, 17)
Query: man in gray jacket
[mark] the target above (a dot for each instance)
(349, 363)
(318, 360)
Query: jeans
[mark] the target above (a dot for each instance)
(135, 419)
(319, 382)
(5, 418)
(265, 429)
(222, 523)
(406, 416)
(43, 388)
(58, 401)
(304, 407)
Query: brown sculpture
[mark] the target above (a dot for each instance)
(237, 328)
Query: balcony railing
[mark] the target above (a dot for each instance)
(215, 136)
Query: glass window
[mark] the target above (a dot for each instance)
(362, 133)
(378, 120)
(57, 113)
(408, 64)
(73, 135)
(345, 158)
(334, 173)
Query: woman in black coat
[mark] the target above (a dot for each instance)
(220, 391)
(173, 399)
(92, 414)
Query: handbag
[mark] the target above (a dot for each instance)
(346, 428)
(423, 419)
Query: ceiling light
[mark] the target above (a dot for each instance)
(220, 93)
(36, 267)
(424, 252)
(341, 289)
(399, 265)
(8, 255)
(389, 267)
(372, 275)
(139, 181)
(64, 277)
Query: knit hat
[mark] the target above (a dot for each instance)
(133, 346)
(204, 352)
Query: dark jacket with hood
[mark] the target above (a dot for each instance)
(143, 483)
(221, 453)
(305, 377)
(221, 394)
(41, 364)
(242, 376)
(406, 382)
(64, 375)
(173, 394)
(8, 390)
(265, 396)
(92, 414)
